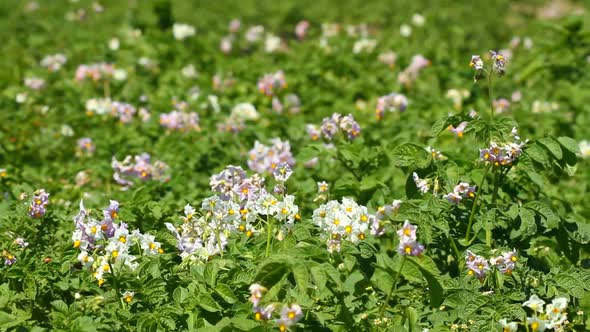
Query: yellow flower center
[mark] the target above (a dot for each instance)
(408, 249)
(258, 316)
(242, 228)
(128, 298)
(348, 229)
(152, 246)
(115, 254)
(284, 211)
(291, 315)
(122, 239)
(249, 233)
(535, 326)
(364, 218)
(77, 243)
(407, 232)
(336, 222)
(361, 236)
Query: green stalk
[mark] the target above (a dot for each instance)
(268, 235)
(393, 288)
(479, 189)
(491, 92)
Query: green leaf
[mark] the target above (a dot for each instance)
(435, 290)
(271, 272)
(180, 294)
(551, 219)
(536, 153)
(570, 144)
(208, 303)
(409, 154)
(300, 274)
(226, 293)
(553, 146)
(60, 306)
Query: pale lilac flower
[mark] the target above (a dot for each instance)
(34, 83)
(410, 74)
(85, 146)
(422, 184)
(270, 84)
(498, 63)
(301, 29)
(391, 102)
(38, 205)
(282, 172)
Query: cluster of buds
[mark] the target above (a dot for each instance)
(391, 102)
(291, 103)
(105, 244)
(141, 167)
(408, 244)
(436, 154)
(54, 62)
(95, 71)
(263, 158)
(410, 74)
(38, 205)
(34, 83)
(290, 314)
(323, 193)
(85, 146)
(479, 266)
(271, 84)
(333, 125)
(461, 191)
(346, 221)
(179, 119)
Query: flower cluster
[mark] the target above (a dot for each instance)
(388, 58)
(364, 45)
(552, 316)
(391, 102)
(498, 64)
(236, 121)
(238, 202)
(408, 244)
(54, 62)
(291, 103)
(182, 31)
(502, 155)
(34, 83)
(38, 205)
(263, 158)
(105, 244)
(180, 120)
(99, 106)
(271, 84)
(461, 191)
(422, 184)
(123, 111)
(95, 71)
(479, 266)
(290, 314)
(301, 29)
(139, 166)
(333, 125)
(85, 146)
(410, 74)
(346, 221)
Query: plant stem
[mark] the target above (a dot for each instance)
(268, 235)
(393, 288)
(116, 286)
(491, 93)
(479, 189)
